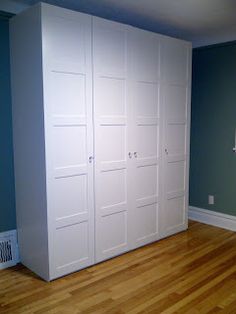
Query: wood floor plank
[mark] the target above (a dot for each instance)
(191, 272)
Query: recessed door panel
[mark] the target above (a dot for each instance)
(112, 188)
(70, 49)
(109, 48)
(144, 55)
(114, 233)
(72, 196)
(111, 138)
(175, 213)
(176, 139)
(65, 151)
(175, 61)
(66, 42)
(145, 223)
(147, 181)
(110, 97)
(144, 98)
(176, 100)
(69, 139)
(175, 176)
(71, 246)
(147, 142)
(175, 95)
(69, 89)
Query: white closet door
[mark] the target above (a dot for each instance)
(144, 73)
(69, 139)
(176, 74)
(111, 142)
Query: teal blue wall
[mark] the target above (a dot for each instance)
(7, 194)
(212, 162)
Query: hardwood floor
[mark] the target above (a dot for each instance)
(192, 272)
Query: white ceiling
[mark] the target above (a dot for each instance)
(203, 22)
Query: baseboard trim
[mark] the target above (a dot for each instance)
(212, 218)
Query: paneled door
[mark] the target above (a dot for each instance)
(176, 72)
(69, 139)
(112, 158)
(144, 71)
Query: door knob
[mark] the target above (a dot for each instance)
(91, 158)
(166, 151)
(135, 154)
(130, 155)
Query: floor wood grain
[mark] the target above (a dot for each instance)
(192, 272)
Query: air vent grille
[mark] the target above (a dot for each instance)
(8, 249)
(5, 251)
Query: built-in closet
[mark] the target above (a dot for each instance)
(101, 114)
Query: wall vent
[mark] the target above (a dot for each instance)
(8, 249)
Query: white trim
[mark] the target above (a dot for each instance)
(212, 218)
(11, 234)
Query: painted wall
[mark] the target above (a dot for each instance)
(212, 162)
(7, 193)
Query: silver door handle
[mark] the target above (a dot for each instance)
(166, 151)
(91, 158)
(135, 154)
(130, 155)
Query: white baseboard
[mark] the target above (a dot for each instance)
(9, 251)
(212, 218)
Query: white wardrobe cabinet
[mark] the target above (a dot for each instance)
(101, 132)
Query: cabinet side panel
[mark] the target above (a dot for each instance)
(28, 134)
